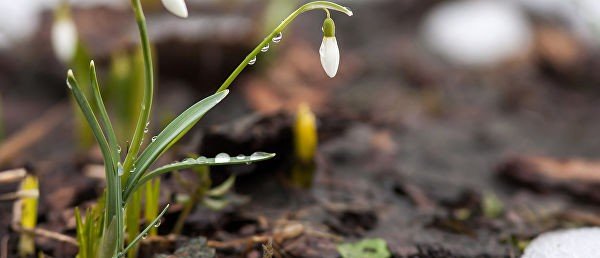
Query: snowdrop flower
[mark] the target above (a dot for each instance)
(176, 7)
(329, 51)
(64, 35)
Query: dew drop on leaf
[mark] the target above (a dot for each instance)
(222, 158)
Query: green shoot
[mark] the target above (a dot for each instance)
(132, 223)
(89, 229)
(305, 147)
(28, 215)
(152, 197)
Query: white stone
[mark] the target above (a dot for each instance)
(477, 32)
(570, 243)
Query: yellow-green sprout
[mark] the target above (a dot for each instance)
(29, 205)
(305, 146)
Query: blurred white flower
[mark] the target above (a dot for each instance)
(64, 38)
(329, 51)
(176, 7)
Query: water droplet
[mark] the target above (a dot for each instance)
(132, 170)
(258, 155)
(248, 163)
(277, 38)
(188, 160)
(119, 169)
(154, 138)
(145, 235)
(119, 149)
(265, 48)
(252, 61)
(158, 223)
(201, 159)
(146, 130)
(241, 156)
(222, 158)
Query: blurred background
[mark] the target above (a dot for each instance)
(437, 107)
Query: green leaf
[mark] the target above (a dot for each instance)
(109, 242)
(144, 232)
(223, 188)
(367, 248)
(203, 161)
(168, 136)
(215, 204)
(101, 109)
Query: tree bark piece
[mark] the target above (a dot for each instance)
(578, 177)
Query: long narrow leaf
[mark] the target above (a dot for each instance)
(170, 134)
(202, 161)
(104, 118)
(144, 232)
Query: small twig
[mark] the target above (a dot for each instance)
(40, 232)
(13, 175)
(19, 194)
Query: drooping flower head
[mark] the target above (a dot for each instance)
(329, 51)
(176, 7)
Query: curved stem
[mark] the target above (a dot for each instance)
(280, 28)
(142, 121)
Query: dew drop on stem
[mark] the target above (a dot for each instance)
(154, 138)
(241, 156)
(145, 235)
(252, 61)
(277, 38)
(265, 48)
(158, 223)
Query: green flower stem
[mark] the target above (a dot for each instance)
(144, 117)
(307, 7)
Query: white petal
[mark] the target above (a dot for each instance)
(330, 56)
(176, 7)
(64, 39)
